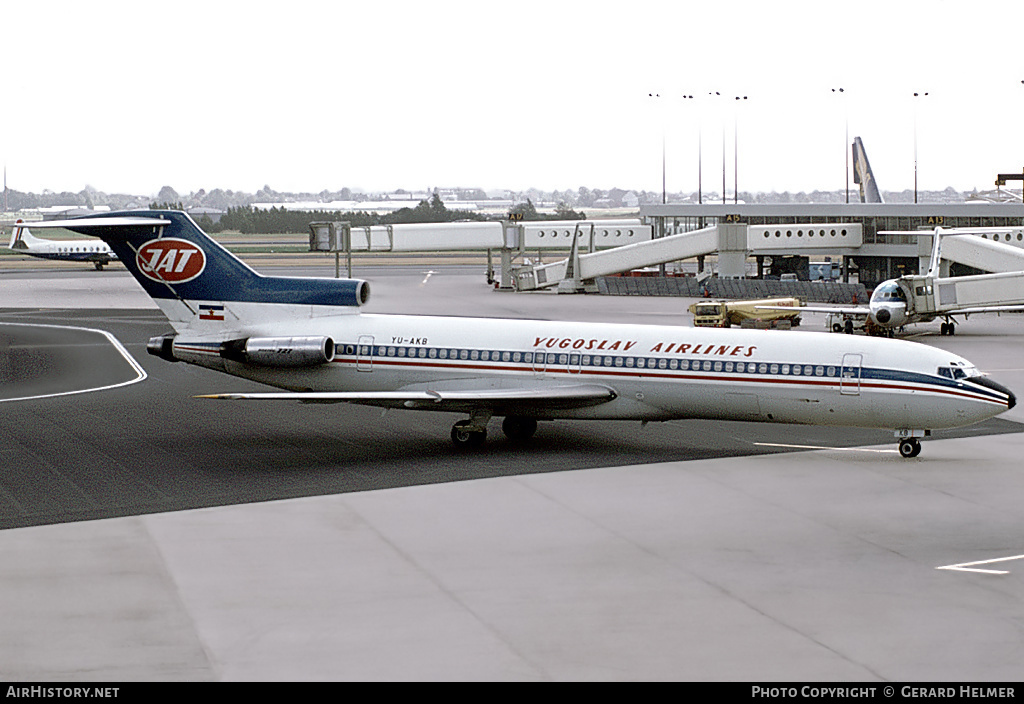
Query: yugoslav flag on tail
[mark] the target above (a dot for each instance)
(198, 283)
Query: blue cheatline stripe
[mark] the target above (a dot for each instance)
(225, 278)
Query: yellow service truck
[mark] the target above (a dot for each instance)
(747, 314)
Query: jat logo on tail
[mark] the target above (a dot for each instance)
(170, 260)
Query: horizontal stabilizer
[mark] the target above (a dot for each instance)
(84, 224)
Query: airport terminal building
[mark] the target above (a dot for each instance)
(814, 230)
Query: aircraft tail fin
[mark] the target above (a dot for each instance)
(936, 258)
(21, 238)
(196, 281)
(862, 174)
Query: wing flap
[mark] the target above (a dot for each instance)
(565, 396)
(983, 309)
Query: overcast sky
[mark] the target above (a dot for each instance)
(306, 96)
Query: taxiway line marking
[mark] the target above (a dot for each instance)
(139, 371)
(967, 566)
(822, 447)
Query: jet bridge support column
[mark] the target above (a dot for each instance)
(513, 245)
(732, 250)
(573, 281)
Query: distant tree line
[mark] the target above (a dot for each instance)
(249, 220)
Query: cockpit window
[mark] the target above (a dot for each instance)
(889, 291)
(953, 372)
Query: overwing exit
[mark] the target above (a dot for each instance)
(308, 338)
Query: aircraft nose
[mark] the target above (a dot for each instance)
(1011, 398)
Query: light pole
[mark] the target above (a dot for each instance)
(716, 93)
(699, 175)
(736, 152)
(916, 95)
(846, 142)
(664, 193)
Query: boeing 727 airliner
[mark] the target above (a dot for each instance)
(307, 338)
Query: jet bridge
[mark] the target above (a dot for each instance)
(578, 271)
(976, 251)
(929, 295)
(510, 238)
(732, 242)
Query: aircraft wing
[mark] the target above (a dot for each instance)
(503, 400)
(984, 309)
(859, 310)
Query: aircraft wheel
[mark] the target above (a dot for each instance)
(518, 429)
(910, 447)
(465, 436)
(98, 265)
(836, 327)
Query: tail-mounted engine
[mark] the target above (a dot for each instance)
(260, 351)
(162, 347)
(280, 351)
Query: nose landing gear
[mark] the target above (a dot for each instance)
(910, 441)
(910, 447)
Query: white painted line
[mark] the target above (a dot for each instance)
(823, 447)
(966, 566)
(139, 371)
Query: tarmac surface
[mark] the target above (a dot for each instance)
(149, 535)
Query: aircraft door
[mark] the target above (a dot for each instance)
(540, 362)
(849, 374)
(575, 363)
(364, 353)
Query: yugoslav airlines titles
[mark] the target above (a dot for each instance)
(566, 343)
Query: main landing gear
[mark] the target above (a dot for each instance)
(947, 328)
(473, 432)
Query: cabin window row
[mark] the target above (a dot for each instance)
(810, 233)
(592, 361)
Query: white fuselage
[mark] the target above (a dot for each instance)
(657, 372)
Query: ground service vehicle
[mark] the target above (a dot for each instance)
(723, 314)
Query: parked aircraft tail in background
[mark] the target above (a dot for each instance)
(862, 174)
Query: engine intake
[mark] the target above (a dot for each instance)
(280, 351)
